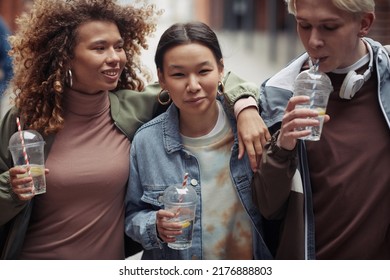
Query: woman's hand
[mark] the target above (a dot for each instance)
(252, 135)
(167, 230)
(21, 184)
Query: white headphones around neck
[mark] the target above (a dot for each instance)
(353, 81)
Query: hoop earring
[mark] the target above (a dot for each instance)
(163, 94)
(221, 88)
(69, 78)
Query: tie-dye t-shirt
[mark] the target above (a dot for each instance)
(226, 227)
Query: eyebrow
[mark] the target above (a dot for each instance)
(102, 41)
(173, 66)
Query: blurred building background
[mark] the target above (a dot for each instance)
(257, 37)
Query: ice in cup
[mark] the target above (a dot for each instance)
(316, 85)
(182, 202)
(32, 146)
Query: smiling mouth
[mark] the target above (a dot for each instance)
(111, 73)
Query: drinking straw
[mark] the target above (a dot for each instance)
(315, 68)
(316, 64)
(184, 184)
(185, 180)
(23, 145)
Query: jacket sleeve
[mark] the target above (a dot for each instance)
(131, 109)
(236, 88)
(10, 205)
(140, 217)
(272, 184)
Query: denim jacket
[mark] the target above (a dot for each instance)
(165, 160)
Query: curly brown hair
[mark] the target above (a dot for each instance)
(43, 46)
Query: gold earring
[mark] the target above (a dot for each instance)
(164, 93)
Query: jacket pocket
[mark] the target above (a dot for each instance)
(154, 197)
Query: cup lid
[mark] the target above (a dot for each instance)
(178, 194)
(314, 78)
(30, 137)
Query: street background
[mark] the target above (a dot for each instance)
(252, 54)
(257, 37)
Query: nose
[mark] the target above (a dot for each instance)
(193, 84)
(315, 39)
(112, 56)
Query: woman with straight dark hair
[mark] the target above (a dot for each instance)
(196, 135)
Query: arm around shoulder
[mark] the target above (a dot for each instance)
(272, 184)
(130, 109)
(236, 88)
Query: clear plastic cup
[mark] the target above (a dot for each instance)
(317, 86)
(34, 148)
(182, 202)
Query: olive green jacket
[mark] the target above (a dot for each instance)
(129, 110)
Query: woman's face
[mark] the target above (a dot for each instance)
(330, 34)
(99, 57)
(191, 75)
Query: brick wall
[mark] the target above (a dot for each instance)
(381, 29)
(10, 9)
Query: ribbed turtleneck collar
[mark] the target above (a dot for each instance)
(86, 104)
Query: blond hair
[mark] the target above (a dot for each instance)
(352, 6)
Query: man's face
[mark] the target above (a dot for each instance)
(329, 34)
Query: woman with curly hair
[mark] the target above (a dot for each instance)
(77, 81)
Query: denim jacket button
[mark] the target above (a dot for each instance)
(194, 182)
(160, 199)
(194, 257)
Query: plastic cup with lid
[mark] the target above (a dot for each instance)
(27, 150)
(316, 85)
(181, 200)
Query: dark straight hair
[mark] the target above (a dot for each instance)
(186, 33)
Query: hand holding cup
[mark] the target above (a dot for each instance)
(295, 117)
(27, 150)
(180, 201)
(317, 86)
(21, 184)
(166, 228)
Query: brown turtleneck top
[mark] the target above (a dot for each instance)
(81, 216)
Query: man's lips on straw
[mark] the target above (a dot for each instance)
(315, 61)
(319, 59)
